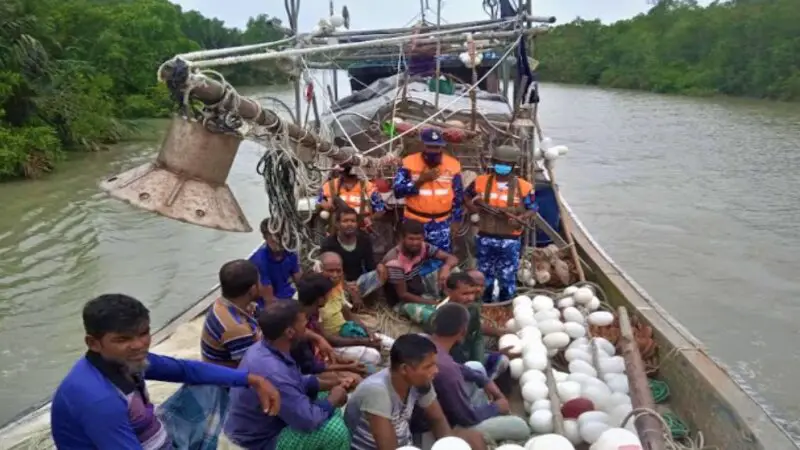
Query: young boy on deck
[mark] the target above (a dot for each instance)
(311, 291)
(277, 268)
(336, 315)
(363, 350)
(465, 288)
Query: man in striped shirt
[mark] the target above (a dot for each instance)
(230, 327)
(412, 287)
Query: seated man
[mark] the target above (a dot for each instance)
(466, 288)
(317, 291)
(355, 248)
(407, 287)
(276, 267)
(230, 327)
(306, 420)
(103, 403)
(336, 315)
(468, 397)
(379, 409)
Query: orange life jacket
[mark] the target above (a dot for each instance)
(355, 197)
(435, 198)
(508, 198)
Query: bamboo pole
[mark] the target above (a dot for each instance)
(648, 427)
(555, 402)
(426, 28)
(446, 39)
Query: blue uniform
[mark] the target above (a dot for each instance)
(498, 258)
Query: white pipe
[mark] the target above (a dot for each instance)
(230, 60)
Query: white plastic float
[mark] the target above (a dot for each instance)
(544, 326)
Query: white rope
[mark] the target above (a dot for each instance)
(330, 103)
(447, 106)
(230, 60)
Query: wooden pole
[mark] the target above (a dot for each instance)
(565, 226)
(555, 402)
(649, 428)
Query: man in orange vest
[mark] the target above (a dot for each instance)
(504, 201)
(430, 182)
(358, 194)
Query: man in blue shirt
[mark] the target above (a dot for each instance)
(102, 403)
(277, 268)
(306, 420)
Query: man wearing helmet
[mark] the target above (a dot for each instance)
(504, 202)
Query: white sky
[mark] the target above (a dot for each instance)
(372, 14)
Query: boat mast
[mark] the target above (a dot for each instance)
(438, 53)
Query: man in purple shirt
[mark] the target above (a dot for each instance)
(469, 398)
(103, 403)
(306, 420)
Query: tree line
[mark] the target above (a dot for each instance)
(748, 48)
(74, 72)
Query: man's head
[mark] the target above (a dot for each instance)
(480, 280)
(272, 243)
(347, 171)
(451, 321)
(347, 221)
(283, 321)
(332, 266)
(412, 237)
(460, 287)
(504, 158)
(311, 291)
(239, 279)
(413, 356)
(434, 144)
(118, 328)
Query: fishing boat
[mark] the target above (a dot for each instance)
(684, 399)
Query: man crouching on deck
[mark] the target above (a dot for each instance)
(102, 403)
(380, 408)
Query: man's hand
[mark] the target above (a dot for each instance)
(356, 367)
(325, 350)
(367, 222)
(268, 396)
(428, 175)
(502, 405)
(444, 272)
(338, 396)
(511, 355)
(326, 204)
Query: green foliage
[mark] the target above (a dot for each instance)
(741, 48)
(73, 71)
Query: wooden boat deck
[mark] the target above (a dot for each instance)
(702, 392)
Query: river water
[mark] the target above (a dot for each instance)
(695, 198)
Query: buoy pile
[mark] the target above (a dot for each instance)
(547, 266)
(593, 394)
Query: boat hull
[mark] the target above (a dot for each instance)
(702, 391)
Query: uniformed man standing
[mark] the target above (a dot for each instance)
(430, 182)
(503, 201)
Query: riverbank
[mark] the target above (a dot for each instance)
(739, 49)
(73, 73)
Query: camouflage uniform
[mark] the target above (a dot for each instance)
(498, 259)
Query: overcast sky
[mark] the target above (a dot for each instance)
(370, 14)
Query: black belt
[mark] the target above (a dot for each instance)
(429, 215)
